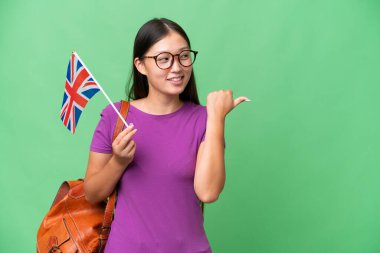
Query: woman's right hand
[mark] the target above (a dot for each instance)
(123, 147)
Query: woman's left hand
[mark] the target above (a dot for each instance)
(220, 103)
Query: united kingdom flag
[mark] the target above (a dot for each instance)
(80, 87)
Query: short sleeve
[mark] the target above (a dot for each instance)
(102, 139)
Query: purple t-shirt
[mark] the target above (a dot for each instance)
(157, 209)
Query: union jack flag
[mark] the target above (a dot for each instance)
(80, 87)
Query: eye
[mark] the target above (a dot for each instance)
(163, 58)
(185, 55)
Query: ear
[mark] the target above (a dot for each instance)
(139, 64)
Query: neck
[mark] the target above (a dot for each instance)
(160, 105)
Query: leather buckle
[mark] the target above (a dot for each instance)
(103, 235)
(55, 249)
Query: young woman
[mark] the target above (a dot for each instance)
(170, 158)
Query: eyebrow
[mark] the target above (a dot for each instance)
(179, 50)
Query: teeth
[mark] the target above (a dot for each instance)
(175, 78)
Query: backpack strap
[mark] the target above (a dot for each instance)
(124, 108)
(108, 214)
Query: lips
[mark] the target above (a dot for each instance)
(176, 78)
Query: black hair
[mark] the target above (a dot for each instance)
(150, 33)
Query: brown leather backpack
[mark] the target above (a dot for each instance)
(73, 224)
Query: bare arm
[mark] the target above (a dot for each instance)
(210, 172)
(104, 170)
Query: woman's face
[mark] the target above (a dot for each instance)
(171, 81)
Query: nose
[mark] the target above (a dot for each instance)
(176, 65)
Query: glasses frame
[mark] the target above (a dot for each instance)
(173, 56)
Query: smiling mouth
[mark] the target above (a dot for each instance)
(177, 78)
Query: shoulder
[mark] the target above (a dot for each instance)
(196, 109)
(196, 112)
(109, 110)
(109, 116)
(103, 134)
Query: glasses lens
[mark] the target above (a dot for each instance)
(164, 60)
(187, 58)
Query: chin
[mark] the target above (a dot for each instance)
(176, 90)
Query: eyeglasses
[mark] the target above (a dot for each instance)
(165, 60)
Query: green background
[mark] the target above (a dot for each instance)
(302, 159)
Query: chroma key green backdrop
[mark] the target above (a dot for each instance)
(303, 159)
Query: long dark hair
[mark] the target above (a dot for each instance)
(150, 33)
